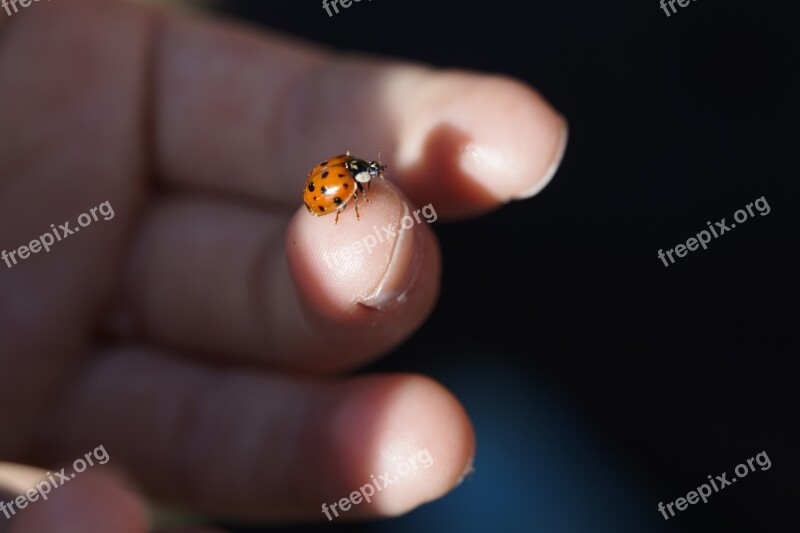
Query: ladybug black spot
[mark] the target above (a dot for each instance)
(325, 174)
(321, 208)
(323, 163)
(337, 200)
(323, 190)
(341, 175)
(311, 187)
(345, 185)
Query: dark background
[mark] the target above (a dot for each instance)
(599, 381)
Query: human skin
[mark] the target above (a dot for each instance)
(199, 335)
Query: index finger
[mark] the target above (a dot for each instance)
(248, 114)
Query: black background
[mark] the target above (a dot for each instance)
(670, 374)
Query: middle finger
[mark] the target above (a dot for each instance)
(236, 283)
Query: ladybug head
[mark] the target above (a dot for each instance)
(376, 169)
(364, 171)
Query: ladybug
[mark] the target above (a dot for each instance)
(333, 183)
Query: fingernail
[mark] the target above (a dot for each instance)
(552, 169)
(394, 283)
(468, 471)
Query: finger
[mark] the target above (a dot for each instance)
(254, 446)
(93, 501)
(71, 104)
(465, 142)
(216, 278)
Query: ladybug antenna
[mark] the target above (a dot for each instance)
(381, 165)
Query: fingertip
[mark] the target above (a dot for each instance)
(442, 436)
(470, 142)
(370, 262)
(416, 446)
(518, 138)
(555, 162)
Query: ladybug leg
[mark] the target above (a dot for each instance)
(355, 203)
(361, 188)
(336, 220)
